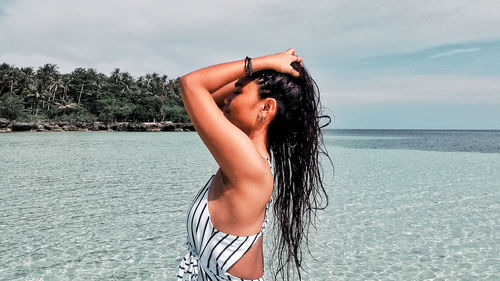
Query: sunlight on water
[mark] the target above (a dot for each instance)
(102, 205)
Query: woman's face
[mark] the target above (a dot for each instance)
(243, 106)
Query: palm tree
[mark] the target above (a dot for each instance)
(47, 76)
(115, 75)
(12, 77)
(127, 81)
(66, 105)
(28, 89)
(64, 86)
(4, 74)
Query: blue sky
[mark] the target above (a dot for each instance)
(379, 64)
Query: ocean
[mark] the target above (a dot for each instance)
(404, 205)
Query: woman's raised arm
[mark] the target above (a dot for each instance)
(223, 93)
(231, 147)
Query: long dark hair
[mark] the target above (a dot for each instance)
(296, 144)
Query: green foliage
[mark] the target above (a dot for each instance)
(114, 109)
(86, 95)
(174, 113)
(11, 106)
(32, 118)
(78, 114)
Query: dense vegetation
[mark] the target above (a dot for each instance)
(86, 95)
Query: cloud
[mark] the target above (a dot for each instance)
(177, 36)
(422, 89)
(360, 52)
(453, 52)
(478, 58)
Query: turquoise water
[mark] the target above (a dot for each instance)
(112, 206)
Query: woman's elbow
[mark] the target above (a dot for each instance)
(184, 83)
(184, 80)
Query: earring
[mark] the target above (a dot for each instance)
(262, 116)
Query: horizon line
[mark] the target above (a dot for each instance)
(412, 129)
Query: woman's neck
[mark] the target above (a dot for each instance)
(259, 139)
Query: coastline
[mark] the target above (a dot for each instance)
(80, 126)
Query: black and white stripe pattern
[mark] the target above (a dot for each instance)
(211, 252)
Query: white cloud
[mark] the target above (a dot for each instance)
(177, 36)
(424, 89)
(453, 52)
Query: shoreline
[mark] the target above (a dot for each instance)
(80, 126)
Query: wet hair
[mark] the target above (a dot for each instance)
(296, 143)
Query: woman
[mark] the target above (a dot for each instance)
(245, 111)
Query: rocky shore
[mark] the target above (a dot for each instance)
(62, 126)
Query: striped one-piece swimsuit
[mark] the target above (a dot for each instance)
(212, 252)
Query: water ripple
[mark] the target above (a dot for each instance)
(97, 205)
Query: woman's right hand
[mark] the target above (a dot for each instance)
(282, 62)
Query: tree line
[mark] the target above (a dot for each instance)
(86, 95)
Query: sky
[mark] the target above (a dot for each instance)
(379, 64)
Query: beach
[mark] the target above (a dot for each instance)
(7, 126)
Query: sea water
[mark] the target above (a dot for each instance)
(404, 205)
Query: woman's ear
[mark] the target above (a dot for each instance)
(270, 105)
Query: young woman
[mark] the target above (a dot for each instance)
(248, 112)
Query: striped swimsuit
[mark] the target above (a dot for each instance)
(212, 252)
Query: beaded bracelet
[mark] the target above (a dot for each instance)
(248, 66)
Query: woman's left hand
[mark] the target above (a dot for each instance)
(282, 62)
